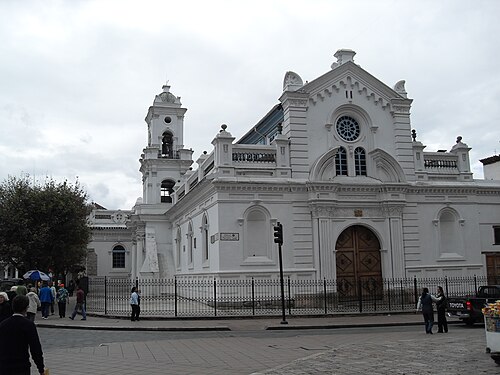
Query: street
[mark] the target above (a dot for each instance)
(382, 350)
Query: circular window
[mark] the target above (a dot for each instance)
(167, 119)
(348, 128)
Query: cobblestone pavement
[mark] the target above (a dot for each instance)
(380, 350)
(438, 354)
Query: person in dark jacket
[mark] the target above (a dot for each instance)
(80, 304)
(441, 310)
(19, 337)
(5, 309)
(425, 305)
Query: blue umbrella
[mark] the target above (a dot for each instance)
(36, 275)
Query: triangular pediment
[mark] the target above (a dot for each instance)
(350, 76)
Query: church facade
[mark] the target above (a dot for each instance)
(336, 162)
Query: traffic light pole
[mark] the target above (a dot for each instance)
(278, 238)
(282, 282)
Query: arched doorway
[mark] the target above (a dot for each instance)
(358, 263)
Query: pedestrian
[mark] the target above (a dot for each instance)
(71, 288)
(46, 298)
(80, 304)
(5, 309)
(425, 305)
(134, 303)
(441, 310)
(12, 293)
(62, 297)
(19, 337)
(34, 305)
(54, 293)
(21, 289)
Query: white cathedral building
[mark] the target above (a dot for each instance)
(336, 162)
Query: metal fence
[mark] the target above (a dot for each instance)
(181, 297)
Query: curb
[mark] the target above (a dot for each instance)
(339, 326)
(352, 325)
(145, 329)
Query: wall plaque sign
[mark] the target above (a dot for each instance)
(229, 236)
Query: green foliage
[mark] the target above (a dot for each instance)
(43, 226)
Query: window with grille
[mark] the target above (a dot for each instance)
(341, 162)
(360, 161)
(118, 256)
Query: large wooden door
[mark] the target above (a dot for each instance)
(358, 262)
(493, 268)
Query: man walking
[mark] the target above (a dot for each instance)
(19, 337)
(80, 304)
(46, 299)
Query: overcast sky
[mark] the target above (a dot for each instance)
(77, 77)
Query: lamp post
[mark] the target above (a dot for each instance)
(278, 238)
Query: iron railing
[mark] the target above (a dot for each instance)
(212, 297)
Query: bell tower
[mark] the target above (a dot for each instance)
(164, 160)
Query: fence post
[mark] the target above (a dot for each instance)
(402, 294)
(324, 293)
(475, 284)
(289, 297)
(446, 285)
(215, 296)
(137, 282)
(415, 289)
(389, 284)
(175, 296)
(360, 297)
(105, 295)
(253, 297)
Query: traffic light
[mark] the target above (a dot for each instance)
(278, 233)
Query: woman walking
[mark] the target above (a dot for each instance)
(441, 310)
(425, 305)
(33, 305)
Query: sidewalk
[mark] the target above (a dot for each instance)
(233, 324)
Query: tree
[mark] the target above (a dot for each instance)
(43, 226)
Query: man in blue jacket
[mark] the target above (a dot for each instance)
(17, 335)
(46, 299)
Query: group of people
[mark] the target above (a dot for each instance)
(18, 333)
(425, 305)
(45, 300)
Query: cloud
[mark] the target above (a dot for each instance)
(78, 77)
